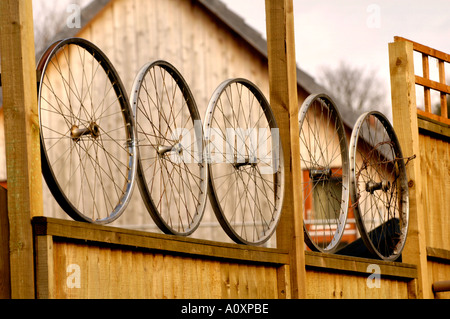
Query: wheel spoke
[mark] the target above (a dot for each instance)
(246, 199)
(173, 186)
(380, 189)
(86, 131)
(323, 156)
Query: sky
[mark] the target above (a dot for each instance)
(356, 31)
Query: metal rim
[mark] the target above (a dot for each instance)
(87, 139)
(163, 105)
(325, 170)
(256, 183)
(379, 183)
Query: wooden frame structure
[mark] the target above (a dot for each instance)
(425, 136)
(22, 140)
(49, 258)
(428, 84)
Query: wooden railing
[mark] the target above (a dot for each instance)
(427, 136)
(428, 84)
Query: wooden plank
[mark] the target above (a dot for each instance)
(412, 289)
(426, 166)
(158, 276)
(93, 263)
(337, 285)
(439, 129)
(441, 87)
(5, 283)
(284, 102)
(258, 276)
(443, 95)
(433, 117)
(127, 272)
(404, 108)
(445, 181)
(427, 50)
(359, 266)
(44, 269)
(426, 75)
(439, 273)
(177, 244)
(283, 282)
(436, 177)
(435, 170)
(104, 276)
(438, 254)
(22, 139)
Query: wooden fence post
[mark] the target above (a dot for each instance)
(404, 111)
(284, 101)
(22, 139)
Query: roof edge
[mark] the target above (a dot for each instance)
(88, 13)
(232, 20)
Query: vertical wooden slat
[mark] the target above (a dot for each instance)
(401, 62)
(177, 275)
(5, 283)
(194, 291)
(234, 280)
(114, 277)
(158, 276)
(105, 273)
(44, 267)
(65, 255)
(284, 101)
(426, 163)
(426, 75)
(443, 95)
(22, 139)
(412, 289)
(214, 270)
(94, 288)
(283, 282)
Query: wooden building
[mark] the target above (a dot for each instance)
(52, 257)
(208, 44)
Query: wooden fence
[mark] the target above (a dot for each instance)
(50, 258)
(75, 260)
(79, 260)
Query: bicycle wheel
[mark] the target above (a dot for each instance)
(172, 174)
(379, 189)
(325, 172)
(245, 162)
(87, 132)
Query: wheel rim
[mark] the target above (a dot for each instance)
(325, 172)
(379, 186)
(172, 175)
(245, 162)
(87, 132)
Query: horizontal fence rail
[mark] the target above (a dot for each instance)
(428, 84)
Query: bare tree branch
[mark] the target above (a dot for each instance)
(359, 89)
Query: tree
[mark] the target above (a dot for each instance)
(354, 86)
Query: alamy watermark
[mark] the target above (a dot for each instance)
(374, 18)
(73, 276)
(73, 21)
(374, 280)
(237, 146)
